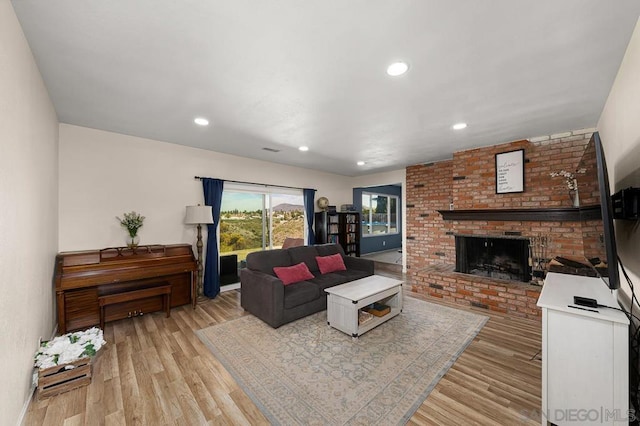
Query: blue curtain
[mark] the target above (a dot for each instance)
(212, 197)
(309, 195)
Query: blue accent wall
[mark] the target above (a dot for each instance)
(375, 243)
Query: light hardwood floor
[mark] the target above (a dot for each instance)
(155, 371)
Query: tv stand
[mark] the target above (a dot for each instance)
(585, 354)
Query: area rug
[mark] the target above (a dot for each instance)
(308, 373)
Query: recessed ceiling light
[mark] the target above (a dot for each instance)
(397, 68)
(459, 126)
(304, 148)
(360, 163)
(200, 121)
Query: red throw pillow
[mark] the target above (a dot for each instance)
(331, 263)
(293, 274)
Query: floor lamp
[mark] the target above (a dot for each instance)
(199, 215)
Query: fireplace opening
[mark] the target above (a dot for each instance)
(495, 257)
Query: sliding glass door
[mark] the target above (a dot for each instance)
(242, 223)
(287, 218)
(257, 218)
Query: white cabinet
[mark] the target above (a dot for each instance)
(585, 354)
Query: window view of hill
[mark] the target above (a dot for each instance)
(243, 231)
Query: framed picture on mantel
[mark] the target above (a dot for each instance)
(510, 172)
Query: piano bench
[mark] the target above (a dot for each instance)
(129, 296)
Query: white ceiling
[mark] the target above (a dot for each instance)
(284, 73)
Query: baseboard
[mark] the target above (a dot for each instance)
(229, 287)
(25, 407)
(32, 392)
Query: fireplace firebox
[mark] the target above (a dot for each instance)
(505, 258)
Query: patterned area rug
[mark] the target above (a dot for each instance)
(307, 373)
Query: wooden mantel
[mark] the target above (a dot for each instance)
(564, 214)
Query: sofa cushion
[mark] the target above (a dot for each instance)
(352, 274)
(293, 274)
(306, 254)
(300, 293)
(329, 249)
(328, 280)
(332, 263)
(265, 261)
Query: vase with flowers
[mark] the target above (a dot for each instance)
(132, 221)
(571, 183)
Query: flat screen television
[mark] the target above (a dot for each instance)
(598, 233)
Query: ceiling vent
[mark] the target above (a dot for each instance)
(271, 149)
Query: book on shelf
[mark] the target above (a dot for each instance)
(364, 317)
(377, 309)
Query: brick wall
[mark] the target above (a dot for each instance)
(468, 181)
(428, 190)
(511, 298)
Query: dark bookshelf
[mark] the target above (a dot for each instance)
(340, 228)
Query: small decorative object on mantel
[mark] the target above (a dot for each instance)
(132, 221)
(572, 184)
(65, 362)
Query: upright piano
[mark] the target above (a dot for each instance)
(146, 279)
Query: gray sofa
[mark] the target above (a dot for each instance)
(266, 297)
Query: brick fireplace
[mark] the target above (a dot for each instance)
(467, 182)
(501, 258)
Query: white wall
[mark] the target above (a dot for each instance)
(619, 128)
(28, 214)
(104, 174)
(380, 179)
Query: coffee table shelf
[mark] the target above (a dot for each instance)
(344, 302)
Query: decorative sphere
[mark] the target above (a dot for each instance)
(323, 202)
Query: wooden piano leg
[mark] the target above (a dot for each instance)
(62, 324)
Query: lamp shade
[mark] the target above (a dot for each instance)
(198, 214)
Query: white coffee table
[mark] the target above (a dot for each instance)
(345, 300)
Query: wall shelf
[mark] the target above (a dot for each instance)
(564, 214)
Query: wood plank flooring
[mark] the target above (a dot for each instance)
(155, 371)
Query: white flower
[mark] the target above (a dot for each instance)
(58, 346)
(569, 178)
(73, 353)
(69, 348)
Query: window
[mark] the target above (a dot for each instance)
(255, 217)
(379, 214)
